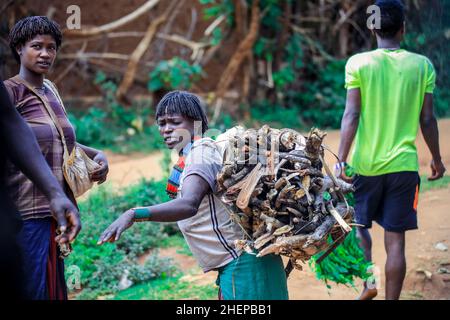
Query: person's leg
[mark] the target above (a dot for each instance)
(369, 292)
(363, 235)
(368, 201)
(34, 239)
(395, 268)
(399, 215)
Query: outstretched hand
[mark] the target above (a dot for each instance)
(114, 231)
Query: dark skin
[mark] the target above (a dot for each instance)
(395, 267)
(22, 146)
(195, 188)
(36, 58)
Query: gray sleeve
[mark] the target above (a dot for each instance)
(205, 161)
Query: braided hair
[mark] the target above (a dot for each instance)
(29, 27)
(184, 103)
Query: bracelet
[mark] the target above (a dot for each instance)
(340, 166)
(142, 214)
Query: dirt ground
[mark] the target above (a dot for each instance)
(426, 276)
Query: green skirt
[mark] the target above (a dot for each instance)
(252, 278)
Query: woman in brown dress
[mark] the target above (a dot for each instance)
(35, 41)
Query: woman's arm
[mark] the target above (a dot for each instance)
(91, 152)
(195, 188)
(24, 152)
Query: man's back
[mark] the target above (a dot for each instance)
(393, 84)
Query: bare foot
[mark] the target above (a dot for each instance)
(368, 294)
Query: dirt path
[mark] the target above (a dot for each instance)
(128, 169)
(434, 224)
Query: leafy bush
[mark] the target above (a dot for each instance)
(102, 266)
(175, 73)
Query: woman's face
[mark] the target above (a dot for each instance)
(38, 54)
(176, 130)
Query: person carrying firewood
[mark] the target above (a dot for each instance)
(389, 93)
(202, 218)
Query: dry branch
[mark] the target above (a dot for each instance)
(139, 52)
(243, 50)
(112, 25)
(194, 46)
(96, 55)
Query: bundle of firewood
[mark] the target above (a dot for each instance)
(273, 183)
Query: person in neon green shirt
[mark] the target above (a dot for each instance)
(389, 93)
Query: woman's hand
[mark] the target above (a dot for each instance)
(101, 173)
(113, 232)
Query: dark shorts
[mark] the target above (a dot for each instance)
(389, 199)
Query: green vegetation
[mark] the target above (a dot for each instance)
(345, 264)
(168, 289)
(103, 266)
(172, 74)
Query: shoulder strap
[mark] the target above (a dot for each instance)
(47, 107)
(50, 85)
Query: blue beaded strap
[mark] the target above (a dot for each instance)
(142, 214)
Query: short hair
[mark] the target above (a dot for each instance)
(392, 17)
(184, 103)
(29, 27)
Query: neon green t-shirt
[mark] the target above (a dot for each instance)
(393, 84)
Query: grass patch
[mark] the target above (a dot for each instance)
(170, 288)
(176, 241)
(102, 267)
(426, 185)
